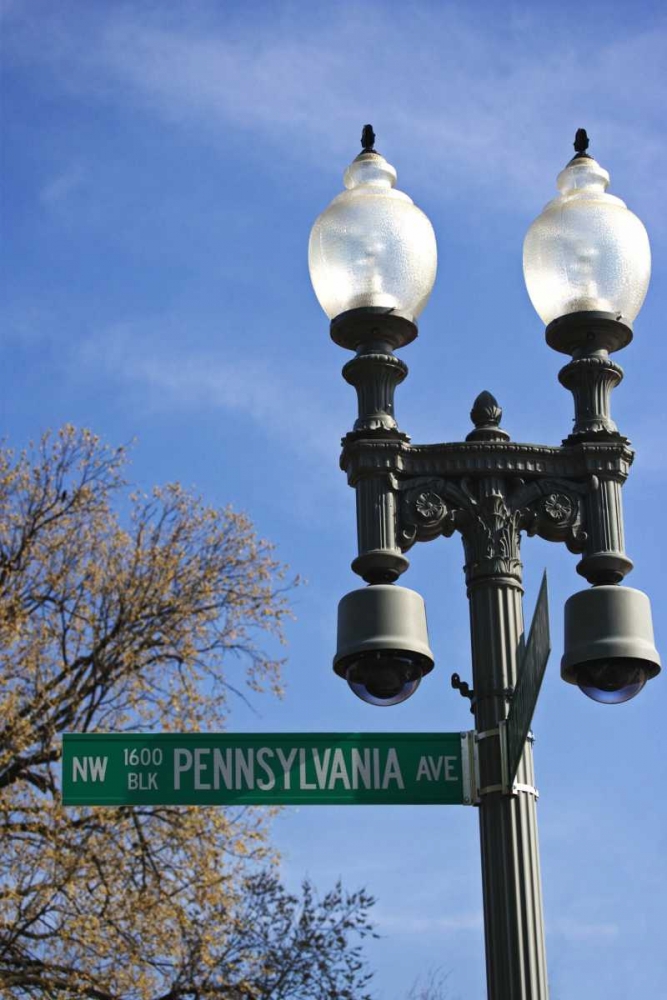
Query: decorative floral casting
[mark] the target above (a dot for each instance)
(429, 506)
(558, 507)
(490, 518)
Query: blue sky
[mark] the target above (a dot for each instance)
(161, 167)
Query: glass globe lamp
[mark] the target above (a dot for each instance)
(372, 247)
(586, 252)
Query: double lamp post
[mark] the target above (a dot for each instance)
(372, 259)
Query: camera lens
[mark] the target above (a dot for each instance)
(384, 678)
(612, 681)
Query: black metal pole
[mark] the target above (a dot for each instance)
(513, 913)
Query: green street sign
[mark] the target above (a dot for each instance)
(266, 769)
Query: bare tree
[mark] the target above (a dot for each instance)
(432, 985)
(143, 621)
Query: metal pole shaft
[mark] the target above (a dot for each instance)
(513, 913)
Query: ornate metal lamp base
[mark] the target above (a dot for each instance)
(586, 332)
(358, 329)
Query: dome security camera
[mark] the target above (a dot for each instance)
(383, 649)
(609, 647)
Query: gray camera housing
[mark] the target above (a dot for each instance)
(381, 629)
(611, 625)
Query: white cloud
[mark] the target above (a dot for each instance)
(481, 106)
(411, 924)
(276, 398)
(571, 929)
(577, 930)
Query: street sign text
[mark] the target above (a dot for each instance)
(264, 768)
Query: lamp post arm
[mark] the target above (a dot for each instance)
(589, 337)
(569, 494)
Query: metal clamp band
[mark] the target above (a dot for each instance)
(468, 767)
(488, 789)
(516, 788)
(505, 693)
(504, 786)
(529, 789)
(486, 733)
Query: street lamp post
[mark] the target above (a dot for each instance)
(372, 260)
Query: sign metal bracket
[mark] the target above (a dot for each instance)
(506, 785)
(469, 767)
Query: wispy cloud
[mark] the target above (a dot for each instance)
(277, 399)
(59, 188)
(577, 930)
(411, 924)
(471, 101)
(573, 930)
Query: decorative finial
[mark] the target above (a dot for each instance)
(368, 139)
(486, 416)
(581, 143)
(485, 411)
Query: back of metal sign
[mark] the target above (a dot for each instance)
(531, 673)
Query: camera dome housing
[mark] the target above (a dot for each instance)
(609, 647)
(383, 649)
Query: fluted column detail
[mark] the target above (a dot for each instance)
(380, 560)
(511, 880)
(375, 372)
(605, 560)
(591, 376)
(590, 379)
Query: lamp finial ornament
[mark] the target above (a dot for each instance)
(485, 411)
(368, 139)
(581, 142)
(486, 416)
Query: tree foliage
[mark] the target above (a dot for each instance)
(140, 622)
(432, 985)
(303, 943)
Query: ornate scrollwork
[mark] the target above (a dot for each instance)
(490, 529)
(423, 512)
(490, 513)
(553, 509)
(492, 535)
